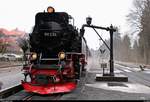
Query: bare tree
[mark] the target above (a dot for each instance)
(3, 46)
(135, 15)
(140, 22)
(23, 43)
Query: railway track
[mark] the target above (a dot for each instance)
(10, 91)
(137, 77)
(82, 91)
(17, 93)
(27, 98)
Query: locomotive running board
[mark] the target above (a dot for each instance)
(49, 59)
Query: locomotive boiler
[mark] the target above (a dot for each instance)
(58, 54)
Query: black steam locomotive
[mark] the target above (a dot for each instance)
(58, 54)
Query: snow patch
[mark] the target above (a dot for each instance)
(131, 88)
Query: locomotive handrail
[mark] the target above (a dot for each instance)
(73, 53)
(49, 59)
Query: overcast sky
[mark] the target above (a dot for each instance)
(20, 14)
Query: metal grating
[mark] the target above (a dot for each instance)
(116, 84)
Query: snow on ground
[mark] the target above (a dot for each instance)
(127, 68)
(129, 87)
(10, 76)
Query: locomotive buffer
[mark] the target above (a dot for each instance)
(111, 76)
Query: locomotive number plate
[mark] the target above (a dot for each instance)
(52, 34)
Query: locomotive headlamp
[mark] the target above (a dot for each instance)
(50, 9)
(33, 56)
(61, 55)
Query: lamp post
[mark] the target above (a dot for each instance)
(111, 51)
(111, 30)
(89, 20)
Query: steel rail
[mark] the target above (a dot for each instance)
(29, 97)
(137, 76)
(33, 96)
(10, 91)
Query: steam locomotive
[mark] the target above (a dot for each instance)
(58, 54)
